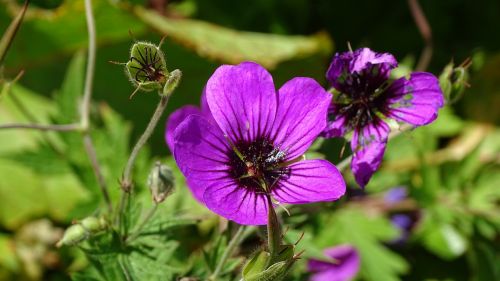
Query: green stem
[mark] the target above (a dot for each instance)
(85, 108)
(89, 148)
(89, 75)
(235, 241)
(126, 182)
(43, 127)
(273, 230)
(11, 31)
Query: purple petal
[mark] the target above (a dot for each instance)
(242, 100)
(337, 127)
(373, 66)
(239, 204)
(395, 195)
(310, 181)
(415, 101)
(301, 115)
(201, 152)
(402, 221)
(344, 267)
(368, 148)
(175, 119)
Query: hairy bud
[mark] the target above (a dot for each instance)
(82, 230)
(160, 182)
(454, 80)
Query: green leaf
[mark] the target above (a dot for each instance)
(214, 254)
(438, 231)
(256, 264)
(445, 241)
(265, 49)
(70, 94)
(65, 31)
(160, 225)
(10, 113)
(26, 202)
(151, 260)
(485, 261)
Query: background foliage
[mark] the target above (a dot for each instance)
(450, 169)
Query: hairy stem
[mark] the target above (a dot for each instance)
(235, 241)
(126, 182)
(89, 75)
(89, 148)
(85, 109)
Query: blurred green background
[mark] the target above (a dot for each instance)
(456, 160)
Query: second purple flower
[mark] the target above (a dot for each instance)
(252, 143)
(366, 97)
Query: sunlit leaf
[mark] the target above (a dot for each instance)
(233, 46)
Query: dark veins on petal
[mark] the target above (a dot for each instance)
(362, 96)
(260, 164)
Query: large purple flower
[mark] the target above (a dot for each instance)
(366, 97)
(252, 145)
(343, 267)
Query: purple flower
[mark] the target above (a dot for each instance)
(395, 195)
(366, 97)
(252, 144)
(404, 221)
(343, 267)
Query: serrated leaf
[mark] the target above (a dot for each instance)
(150, 260)
(70, 94)
(160, 226)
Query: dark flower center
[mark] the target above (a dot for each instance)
(258, 166)
(362, 97)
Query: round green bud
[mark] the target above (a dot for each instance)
(93, 224)
(160, 182)
(73, 235)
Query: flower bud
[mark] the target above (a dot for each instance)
(73, 235)
(160, 182)
(454, 80)
(93, 224)
(82, 230)
(172, 82)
